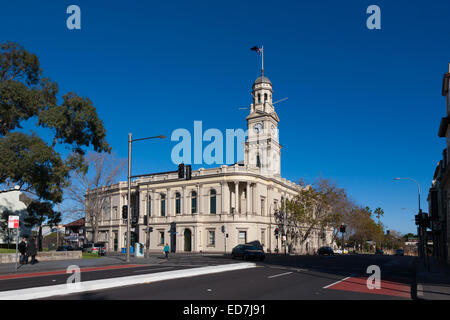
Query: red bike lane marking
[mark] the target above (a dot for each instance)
(359, 284)
(56, 272)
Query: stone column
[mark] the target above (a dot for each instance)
(236, 197)
(222, 198)
(200, 204)
(168, 202)
(248, 199)
(183, 201)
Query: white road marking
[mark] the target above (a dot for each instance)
(279, 275)
(86, 286)
(336, 282)
(153, 269)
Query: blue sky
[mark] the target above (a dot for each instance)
(364, 105)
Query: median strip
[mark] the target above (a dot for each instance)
(65, 289)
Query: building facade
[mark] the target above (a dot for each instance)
(13, 202)
(439, 192)
(217, 208)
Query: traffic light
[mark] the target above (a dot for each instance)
(133, 221)
(277, 231)
(150, 229)
(173, 228)
(181, 171)
(418, 219)
(188, 172)
(342, 228)
(223, 229)
(124, 212)
(426, 220)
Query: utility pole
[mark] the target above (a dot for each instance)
(130, 141)
(284, 225)
(129, 197)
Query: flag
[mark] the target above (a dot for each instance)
(255, 48)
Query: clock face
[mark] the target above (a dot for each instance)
(258, 127)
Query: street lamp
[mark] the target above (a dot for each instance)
(130, 141)
(418, 187)
(420, 228)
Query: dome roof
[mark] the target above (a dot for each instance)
(262, 79)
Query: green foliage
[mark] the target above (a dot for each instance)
(27, 160)
(40, 213)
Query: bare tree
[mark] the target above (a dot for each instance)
(86, 194)
(320, 207)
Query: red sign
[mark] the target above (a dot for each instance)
(13, 222)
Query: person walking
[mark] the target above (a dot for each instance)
(23, 251)
(31, 250)
(166, 250)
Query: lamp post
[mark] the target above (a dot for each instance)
(130, 141)
(420, 228)
(418, 186)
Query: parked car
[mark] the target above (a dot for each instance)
(247, 252)
(399, 252)
(379, 251)
(339, 251)
(97, 247)
(64, 248)
(325, 251)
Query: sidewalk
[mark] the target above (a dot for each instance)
(433, 284)
(9, 268)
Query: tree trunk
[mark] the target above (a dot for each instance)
(40, 238)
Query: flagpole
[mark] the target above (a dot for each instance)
(262, 60)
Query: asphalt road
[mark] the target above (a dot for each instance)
(278, 277)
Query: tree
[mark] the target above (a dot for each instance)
(319, 207)
(86, 192)
(378, 213)
(363, 228)
(27, 159)
(40, 213)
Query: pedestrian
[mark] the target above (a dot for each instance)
(23, 251)
(31, 250)
(166, 250)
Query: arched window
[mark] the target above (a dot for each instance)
(177, 203)
(265, 97)
(194, 201)
(163, 205)
(212, 201)
(259, 98)
(258, 161)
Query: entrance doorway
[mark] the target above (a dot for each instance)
(187, 240)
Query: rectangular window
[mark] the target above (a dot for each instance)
(263, 205)
(242, 237)
(211, 238)
(161, 237)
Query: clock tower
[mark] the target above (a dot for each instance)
(262, 148)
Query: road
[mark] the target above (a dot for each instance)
(278, 277)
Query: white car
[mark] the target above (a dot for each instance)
(339, 251)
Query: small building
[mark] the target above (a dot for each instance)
(13, 202)
(75, 233)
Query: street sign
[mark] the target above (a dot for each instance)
(13, 222)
